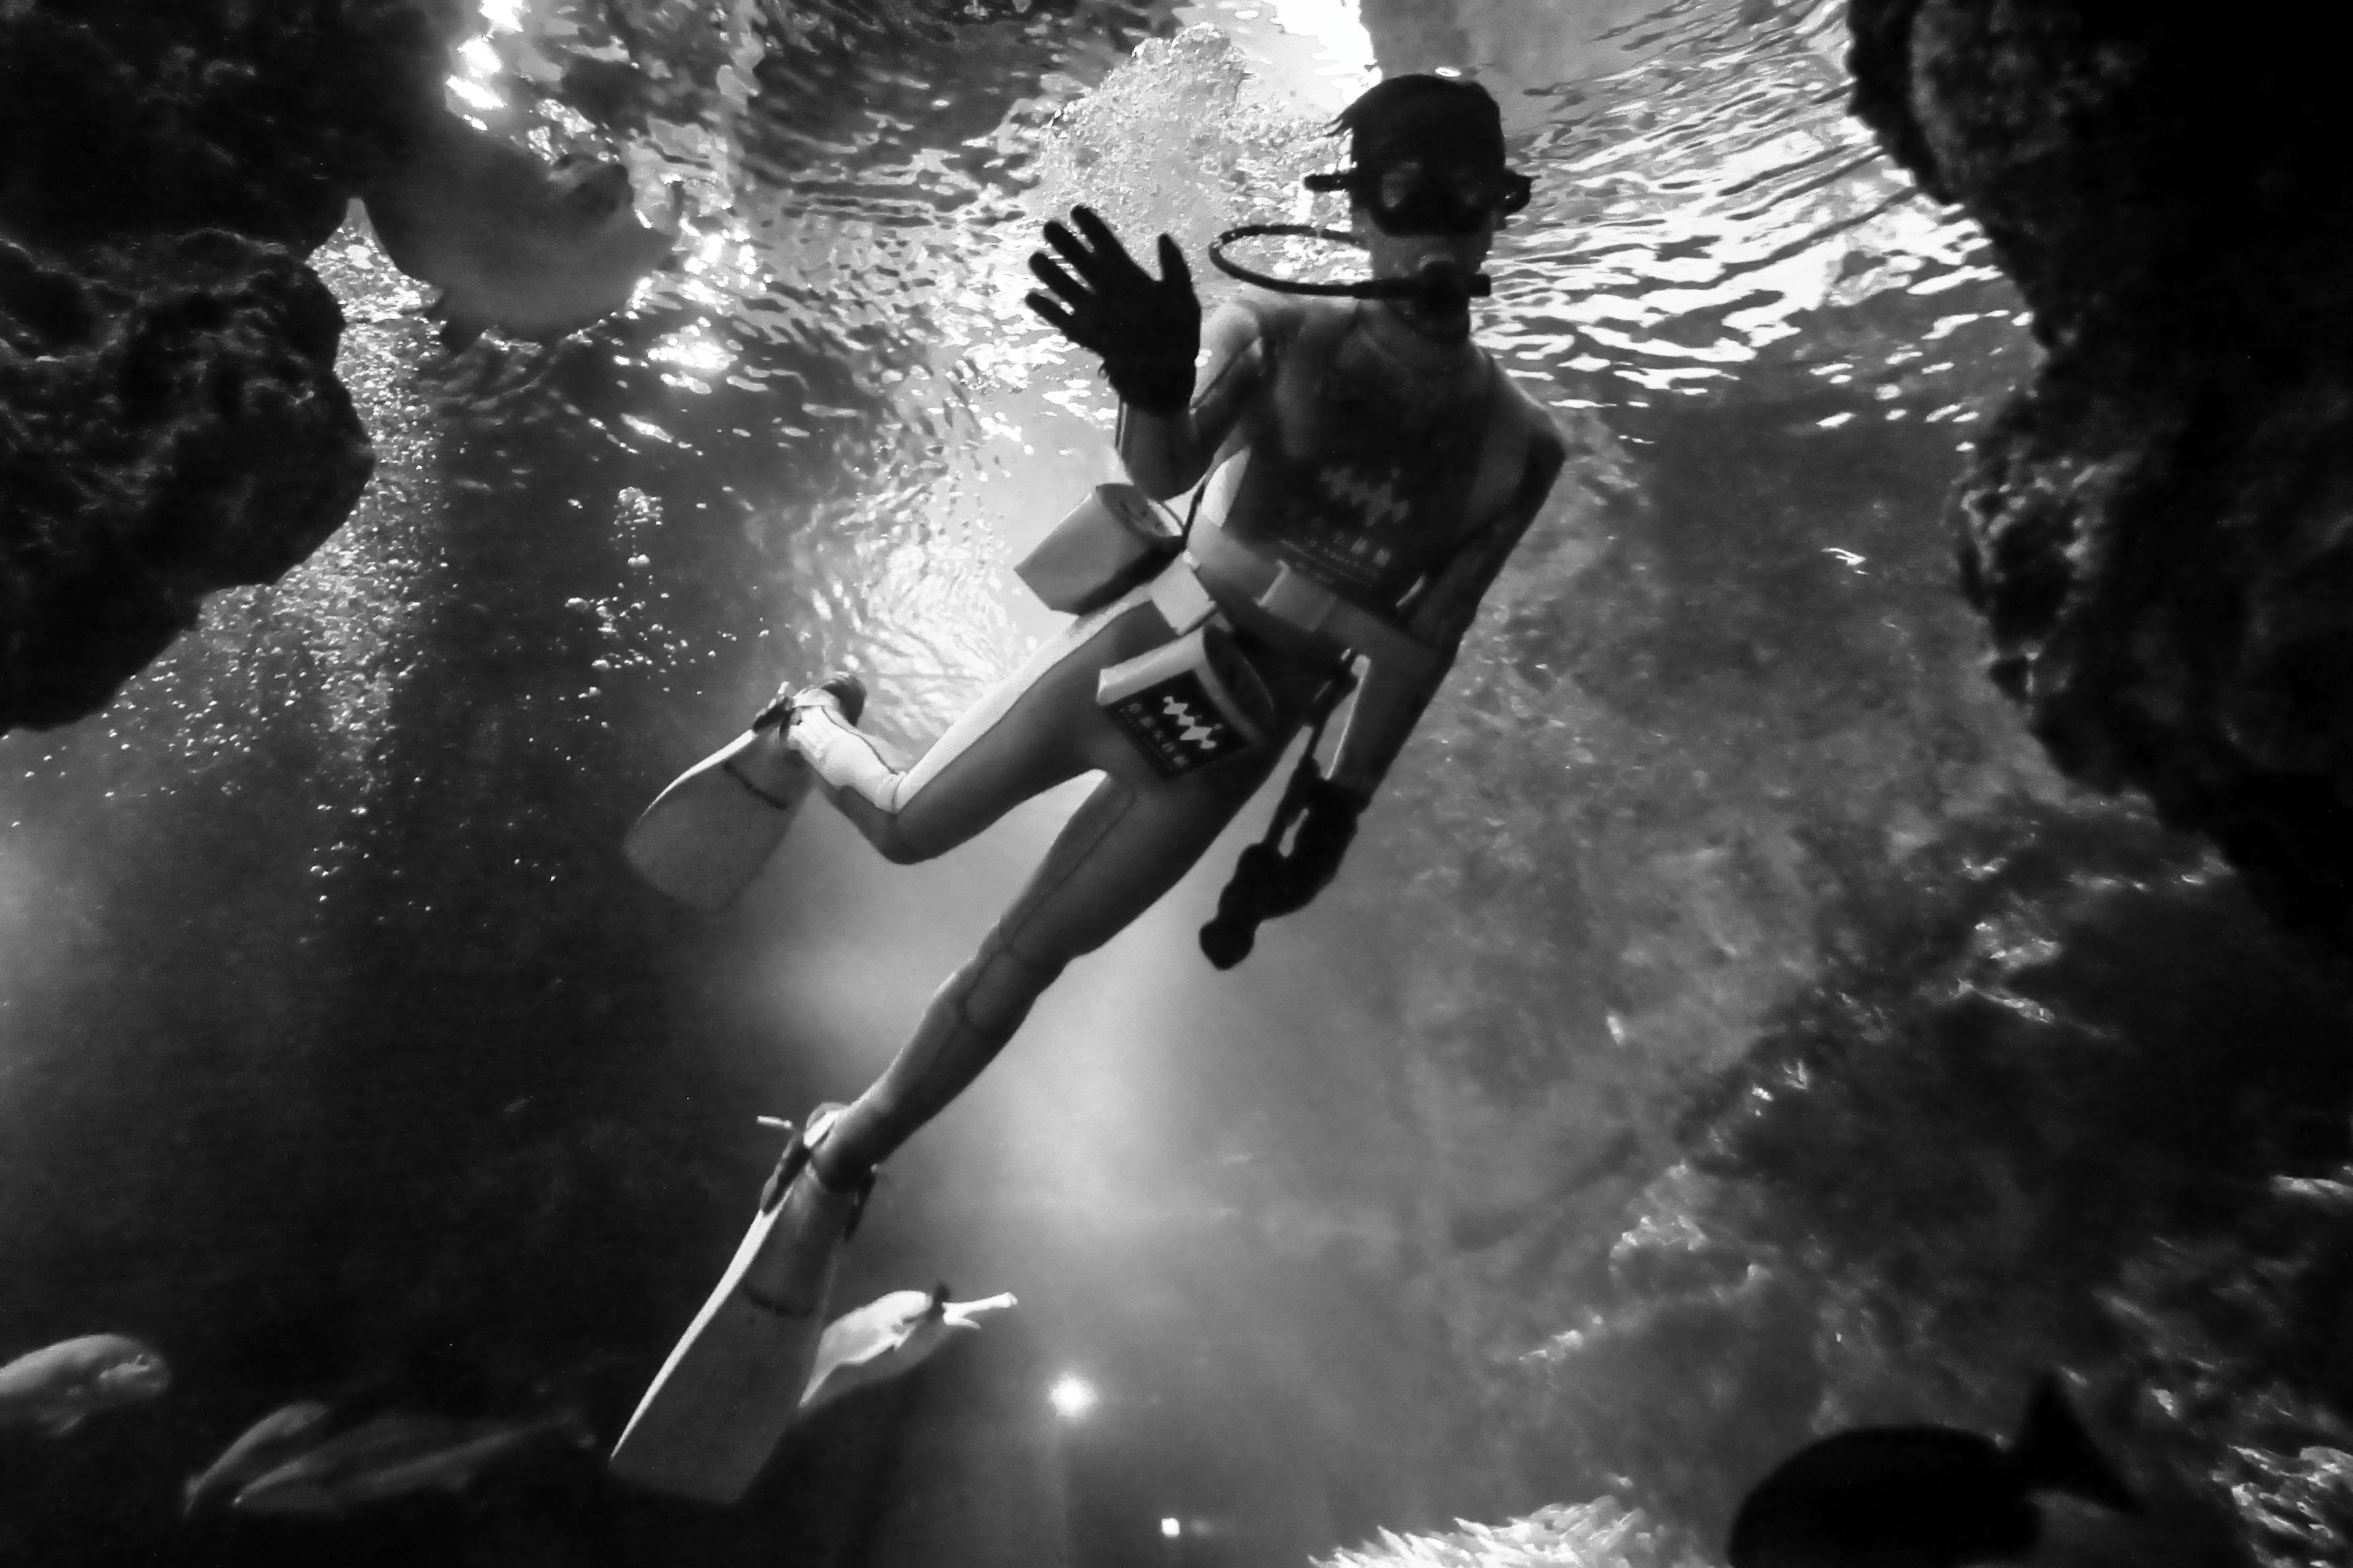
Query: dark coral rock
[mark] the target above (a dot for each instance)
(2159, 529)
(170, 423)
(1880, 63)
(158, 441)
(128, 117)
(2142, 171)
(2170, 582)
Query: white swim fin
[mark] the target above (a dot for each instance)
(706, 837)
(711, 1417)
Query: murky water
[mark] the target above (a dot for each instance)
(339, 1045)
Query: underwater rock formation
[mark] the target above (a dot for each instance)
(170, 425)
(150, 117)
(2239, 1341)
(2077, 1072)
(1560, 1535)
(2160, 528)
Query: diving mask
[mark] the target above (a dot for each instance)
(1410, 196)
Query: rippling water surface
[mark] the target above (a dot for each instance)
(337, 1043)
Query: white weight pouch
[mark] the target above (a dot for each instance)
(1115, 539)
(1189, 703)
(1194, 700)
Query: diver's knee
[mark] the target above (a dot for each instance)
(895, 846)
(886, 829)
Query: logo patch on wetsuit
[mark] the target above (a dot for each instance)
(1351, 539)
(1374, 501)
(1177, 725)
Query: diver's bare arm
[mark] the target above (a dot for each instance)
(1167, 456)
(1396, 689)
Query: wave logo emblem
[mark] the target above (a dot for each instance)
(1375, 498)
(1205, 736)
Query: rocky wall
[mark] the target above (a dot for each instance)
(2159, 528)
(170, 425)
(170, 420)
(139, 117)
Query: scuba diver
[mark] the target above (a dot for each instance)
(1364, 471)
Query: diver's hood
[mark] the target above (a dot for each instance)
(1440, 283)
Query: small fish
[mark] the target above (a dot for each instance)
(535, 251)
(1922, 1497)
(888, 1336)
(261, 1448)
(57, 1388)
(397, 1455)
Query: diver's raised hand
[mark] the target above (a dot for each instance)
(1147, 329)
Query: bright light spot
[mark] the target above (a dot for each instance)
(481, 97)
(477, 54)
(1171, 1529)
(1071, 1397)
(1344, 48)
(694, 349)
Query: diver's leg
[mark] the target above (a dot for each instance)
(1036, 730)
(1128, 843)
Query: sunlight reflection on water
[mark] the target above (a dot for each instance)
(843, 340)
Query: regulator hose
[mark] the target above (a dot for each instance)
(1438, 284)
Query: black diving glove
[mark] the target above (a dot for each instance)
(1268, 882)
(1325, 830)
(1258, 883)
(1147, 330)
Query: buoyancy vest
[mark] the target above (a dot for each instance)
(1367, 483)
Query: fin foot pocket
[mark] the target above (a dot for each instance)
(849, 694)
(848, 691)
(797, 1157)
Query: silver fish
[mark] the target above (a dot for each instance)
(890, 1335)
(59, 1386)
(511, 243)
(261, 1448)
(397, 1455)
